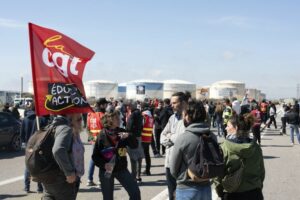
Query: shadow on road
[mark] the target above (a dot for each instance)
(154, 183)
(97, 189)
(270, 157)
(274, 145)
(9, 196)
(6, 154)
(157, 165)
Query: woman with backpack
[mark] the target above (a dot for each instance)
(188, 186)
(110, 156)
(243, 162)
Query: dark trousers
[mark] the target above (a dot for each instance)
(224, 130)
(60, 190)
(255, 194)
(125, 179)
(272, 119)
(283, 120)
(256, 132)
(147, 156)
(171, 182)
(136, 166)
(264, 117)
(157, 133)
(153, 146)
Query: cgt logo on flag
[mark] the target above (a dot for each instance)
(58, 64)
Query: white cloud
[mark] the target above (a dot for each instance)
(9, 23)
(228, 55)
(232, 20)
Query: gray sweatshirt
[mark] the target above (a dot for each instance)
(183, 152)
(62, 148)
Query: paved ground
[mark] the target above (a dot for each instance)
(282, 162)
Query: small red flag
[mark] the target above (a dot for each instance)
(57, 63)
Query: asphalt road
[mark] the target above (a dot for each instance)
(282, 162)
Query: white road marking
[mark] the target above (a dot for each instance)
(11, 180)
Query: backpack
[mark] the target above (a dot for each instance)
(39, 158)
(208, 160)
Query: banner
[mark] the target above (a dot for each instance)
(57, 63)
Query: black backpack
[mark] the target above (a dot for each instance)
(39, 158)
(208, 159)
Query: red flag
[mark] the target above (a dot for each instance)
(57, 64)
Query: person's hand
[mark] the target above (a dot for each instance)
(71, 179)
(123, 135)
(109, 167)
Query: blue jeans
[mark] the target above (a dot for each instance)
(91, 168)
(294, 128)
(195, 192)
(125, 179)
(27, 182)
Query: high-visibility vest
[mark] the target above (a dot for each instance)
(227, 113)
(147, 129)
(94, 125)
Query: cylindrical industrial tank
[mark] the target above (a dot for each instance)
(172, 86)
(101, 89)
(227, 89)
(144, 89)
(122, 91)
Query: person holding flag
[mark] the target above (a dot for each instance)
(58, 64)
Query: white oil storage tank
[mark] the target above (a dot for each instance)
(122, 91)
(144, 89)
(172, 86)
(101, 89)
(227, 89)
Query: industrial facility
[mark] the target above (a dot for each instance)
(101, 88)
(149, 89)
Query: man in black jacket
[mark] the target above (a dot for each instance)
(293, 119)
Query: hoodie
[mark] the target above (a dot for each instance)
(251, 154)
(184, 151)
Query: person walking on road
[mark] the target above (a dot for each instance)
(294, 121)
(110, 156)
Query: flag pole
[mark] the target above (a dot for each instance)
(37, 123)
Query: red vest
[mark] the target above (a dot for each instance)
(94, 125)
(147, 129)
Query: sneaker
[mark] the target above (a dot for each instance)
(139, 180)
(90, 183)
(292, 144)
(99, 183)
(39, 191)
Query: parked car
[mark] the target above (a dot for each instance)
(10, 132)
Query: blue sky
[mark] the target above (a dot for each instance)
(256, 42)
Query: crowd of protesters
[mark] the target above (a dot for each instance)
(118, 128)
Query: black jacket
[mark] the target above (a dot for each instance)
(27, 127)
(104, 142)
(165, 114)
(135, 123)
(292, 118)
